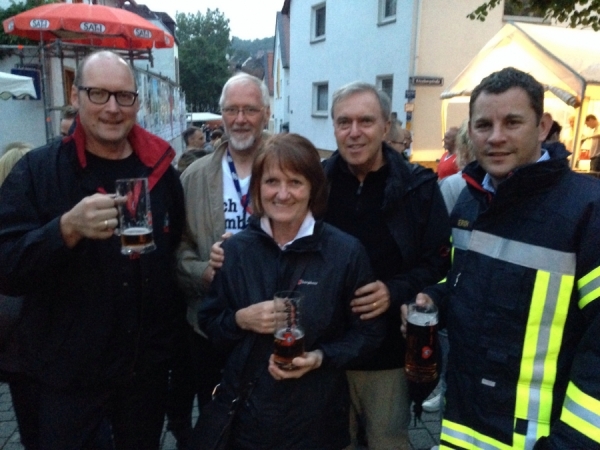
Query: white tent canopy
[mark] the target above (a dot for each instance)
(16, 86)
(202, 117)
(565, 60)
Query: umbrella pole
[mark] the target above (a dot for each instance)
(47, 119)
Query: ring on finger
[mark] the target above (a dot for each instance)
(374, 304)
(106, 224)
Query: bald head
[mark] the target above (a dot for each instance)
(105, 94)
(100, 57)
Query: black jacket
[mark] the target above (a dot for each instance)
(92, 316)
(310, 412)
(417, 219)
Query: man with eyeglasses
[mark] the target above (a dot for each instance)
(217, 202)
(397, 211)
(95, 337)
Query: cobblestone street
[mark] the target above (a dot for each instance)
(423, 436)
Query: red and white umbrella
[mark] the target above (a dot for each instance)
(95, 25)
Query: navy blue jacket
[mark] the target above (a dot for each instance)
(523, 311)
(312, 411)
(92, 316)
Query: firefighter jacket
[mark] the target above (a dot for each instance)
(522, 311)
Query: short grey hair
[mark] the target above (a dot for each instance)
(243, 77)
(357, 87)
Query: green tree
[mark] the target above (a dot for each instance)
(576, 13)
(242, 49)
(13, 10)
(203, 46)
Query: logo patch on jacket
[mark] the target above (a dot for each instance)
(462, 223)
(306, 282)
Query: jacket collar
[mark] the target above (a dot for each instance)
(153, 152)
(525, 179)
(403, 178)
(306, 243)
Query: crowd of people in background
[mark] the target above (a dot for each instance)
(108, 344)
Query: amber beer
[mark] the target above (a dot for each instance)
(288, 345)
(421, 342)
(289, 334)
(137, 239)
(135, 216)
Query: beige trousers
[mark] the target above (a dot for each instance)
(380, 399)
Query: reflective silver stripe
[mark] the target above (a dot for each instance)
(543, 340)
(540, 353)
(532, 435)
(468, 439)
(589, 287)
(526, 255)
(582, 412)
(460, 238)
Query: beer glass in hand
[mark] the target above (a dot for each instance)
(421, 343)
(289, 334)
(135, 216)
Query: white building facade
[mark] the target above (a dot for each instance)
(388, 43)
(280, 105)
(335, 42)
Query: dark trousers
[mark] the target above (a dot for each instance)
(128, 417)
(195, 373)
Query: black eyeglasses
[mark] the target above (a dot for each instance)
(100, 96)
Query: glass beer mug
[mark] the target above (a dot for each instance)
(135, 216)
(421, 343)
(289, 334)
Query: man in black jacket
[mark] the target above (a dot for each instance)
(96, 332)
(396, 210)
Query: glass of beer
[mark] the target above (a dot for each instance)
(421, 343)
(289, 334)
(135, 216)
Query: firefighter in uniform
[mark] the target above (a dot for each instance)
(521, 301)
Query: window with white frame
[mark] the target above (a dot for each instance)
(387, 11)
(386, 84)
(320, 99)
(318, 22)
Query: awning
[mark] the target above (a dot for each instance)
(562, 59)
(16, 86)
(202, 117)
(565, 60)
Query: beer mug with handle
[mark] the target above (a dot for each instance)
(289, 334)
(135, 216)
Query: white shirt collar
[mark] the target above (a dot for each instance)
(306, 229)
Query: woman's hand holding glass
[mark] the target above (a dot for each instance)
(305, 363)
